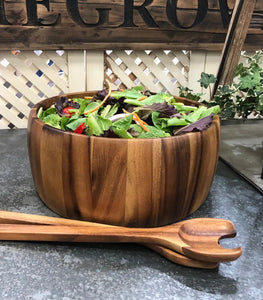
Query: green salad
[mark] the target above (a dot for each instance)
(128, 114)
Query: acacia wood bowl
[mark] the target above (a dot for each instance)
(126, 182)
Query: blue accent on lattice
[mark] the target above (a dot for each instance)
(39, 73)
(61, 73)
(50, 62)
(7, 84)
(29, 84)
(30, 104)
(41, 94)
(19, 95)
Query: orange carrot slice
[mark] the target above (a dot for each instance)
(137, 119)
(142, 98)
(101, 104)
(141, 122)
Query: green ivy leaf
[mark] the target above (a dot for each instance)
(206, 79)
(251, 82)
(185, 92)
(240, 70)
(260, 103)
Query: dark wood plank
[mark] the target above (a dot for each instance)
(235, 40)
(21, 28)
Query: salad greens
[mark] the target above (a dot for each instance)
(127, 114)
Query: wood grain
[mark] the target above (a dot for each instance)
(8, 217)
(135, 183)
(48, 29)
(195, 238)
(235, 40)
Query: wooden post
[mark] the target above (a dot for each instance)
(76, 72)
(234, 42)
(94, 70)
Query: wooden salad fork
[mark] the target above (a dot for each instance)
(196, 240)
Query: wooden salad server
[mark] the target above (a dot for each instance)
(8, 217)
(194, 238)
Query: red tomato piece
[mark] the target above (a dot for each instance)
(80, 128)
(67, 111)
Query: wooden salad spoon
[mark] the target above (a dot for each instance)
(196, 238)
(8, 217)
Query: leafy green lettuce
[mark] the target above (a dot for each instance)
(52, 120)
(152, 133)
(121, 127)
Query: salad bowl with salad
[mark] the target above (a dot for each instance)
(127, 157)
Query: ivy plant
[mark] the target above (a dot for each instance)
(205, 81)
(243, 97)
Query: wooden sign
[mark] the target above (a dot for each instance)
(122, 24)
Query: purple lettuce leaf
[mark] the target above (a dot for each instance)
(177, 115)
(109, 133)
(162, 107)
(63, 102)
(199, 125)
(111, 100)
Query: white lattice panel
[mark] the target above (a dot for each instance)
(156, 70)
(26, 78)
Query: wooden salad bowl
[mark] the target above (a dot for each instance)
(126, 182)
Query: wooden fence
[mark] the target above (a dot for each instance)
(27, 77)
